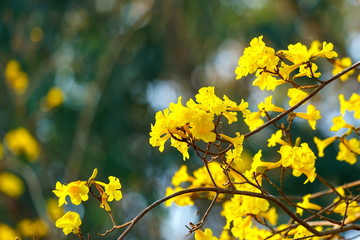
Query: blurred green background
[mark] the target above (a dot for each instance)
(117, 62)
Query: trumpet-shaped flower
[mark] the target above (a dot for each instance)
(353, 104)
(181, 200)
(338, 123)
(77, 191)
(70, 223)
(311, 115)
(253, 120)
(180, 176)
(340, 65)
(322, 144)
(206, 235)
(234, 155)
(348, 150)
(300, 159)
(306, 204)
(295, 95)
(112, 189)
(268, 106)
(276, 138)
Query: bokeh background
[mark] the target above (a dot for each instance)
(114, 63)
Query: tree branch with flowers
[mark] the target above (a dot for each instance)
(251, 200)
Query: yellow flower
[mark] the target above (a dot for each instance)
(19, 141)
(11, 185)
(77, 191)
(322, 144)
(276, 138)
(268, 106)
(307, 204)
(265, 80)
(253, 120)
(7, 232)
(338, 123)
(15, 77)
(300, 159)
(61, 192)
(340, 65)
(348, 150)
(30, 228)
(70, 223)
(234, 155)
(353, 104)
(295, 95)
(180, 176)
(311, 115)
(112, 189)
(181, 200)
(258, 55)
(206, 235)
(54, 98)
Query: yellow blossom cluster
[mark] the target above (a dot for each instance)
(15, 77)
(78, 192)
(185, 125)
(19, 141)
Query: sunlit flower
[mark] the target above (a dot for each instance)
(311, 115)
(181, 200)
(340, 65)
(322, 144)
(77, 191)
(206, 235)
(180, 176)
(306, 204)
(348, 150)
(300, 159)
(295, 95)
(113, 189)
(70, 223)
(53, 209)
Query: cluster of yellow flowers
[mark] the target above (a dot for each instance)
(15, 77)
(78, 192)
(198, 121)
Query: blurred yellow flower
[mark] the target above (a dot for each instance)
(53, 99)
(15, 77)
(33, 228)
(340, 65)
(19, 141)
(70, 223)
(11, 185)
(7, 232)
(53, 209)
